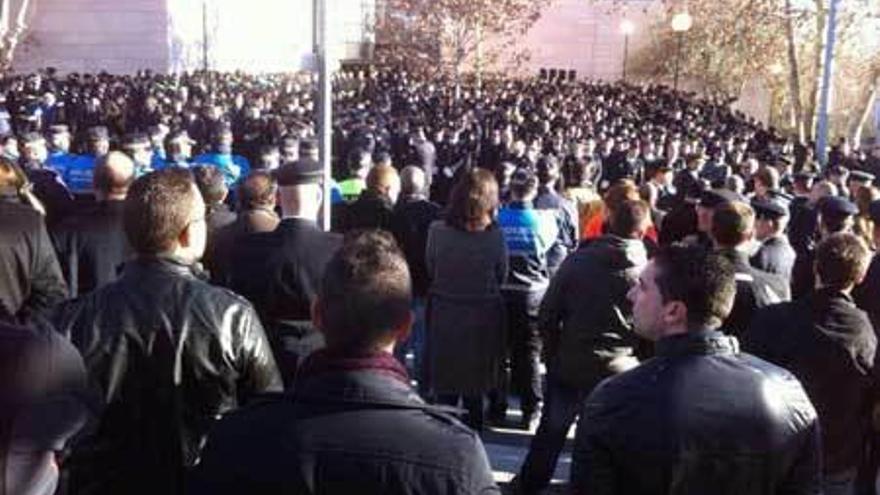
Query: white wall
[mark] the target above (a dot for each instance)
(122, 36)
(94, 35)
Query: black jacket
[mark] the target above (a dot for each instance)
(344, 430)
(280, 273)
(369, 211)
(867, 295)
(829, 345)
(754, 289)
(409, 224)
(775, 255)
(699, 418)
(585, 315)
(92, 247)
(30, 279)
(168, 353)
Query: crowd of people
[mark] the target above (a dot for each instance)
(688, 286)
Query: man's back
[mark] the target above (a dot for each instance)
(699, 418)
(169, 353)
(352, 426)
(830, 346)
(30, 279)
(91, 247)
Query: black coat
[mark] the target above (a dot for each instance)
(30, 279)
(775, 255)
(754, 289)
(168, 353)
(92, 247)
(698, 418)
(369, 211)
(409, 224)
(829, 345)
(280, 272)
(867, 295)
(344, 431)
(585, 315)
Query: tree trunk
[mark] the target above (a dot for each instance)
(478, 57)
(794, 78)
(867, 109)
(14, 36)
(819, 64)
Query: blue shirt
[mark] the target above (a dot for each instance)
(233, 167)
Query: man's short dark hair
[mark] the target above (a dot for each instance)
(257, 190)
(157, 209)
(732, 223)
(210, 182)
(704, 281)
(365, 293)
(630, 219)
(842, 260)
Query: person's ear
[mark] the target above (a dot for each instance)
(674, 313)
(185, 236)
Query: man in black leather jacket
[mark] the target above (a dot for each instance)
(700, 417)
(168, 352)
(352, 423)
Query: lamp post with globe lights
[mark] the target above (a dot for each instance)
(681, 23)
(627, 27)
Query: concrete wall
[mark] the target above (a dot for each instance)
(94, 35)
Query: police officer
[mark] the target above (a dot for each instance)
(234, 167)
(137, 146)
(60, 158)
(774, 254)
(836, 214)
(47, 184)
(79, 174)
(178, 149)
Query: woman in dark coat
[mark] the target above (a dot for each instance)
(467, 261)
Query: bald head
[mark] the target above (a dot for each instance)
(384, 180)
(114, 173)
(412, 181)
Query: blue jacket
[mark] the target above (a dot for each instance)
(234, 167)
(79, 173)
(60, 162)
(529, 235)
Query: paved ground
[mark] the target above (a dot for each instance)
(507, 448)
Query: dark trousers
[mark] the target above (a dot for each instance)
(561, 408)
(523, 352)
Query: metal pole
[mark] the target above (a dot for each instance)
(827, 83)
(205, 35)
(625, 54)
(677, 62)
(325, 106)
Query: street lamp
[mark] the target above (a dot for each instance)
(681, 23)
(627, 27)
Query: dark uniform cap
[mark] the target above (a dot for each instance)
(308, 146)
(874, 211)
(136, 139)
(98, 133)
(836, 205)
(300, 172)
(861, 176)
(59, 129)
(712, 198)
(31, 137)
(804, 176)
(776, 206)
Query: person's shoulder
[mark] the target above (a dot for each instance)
(23, 215)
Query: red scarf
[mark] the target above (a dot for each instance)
(327, 361)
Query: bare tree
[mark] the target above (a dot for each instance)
(13, 26)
